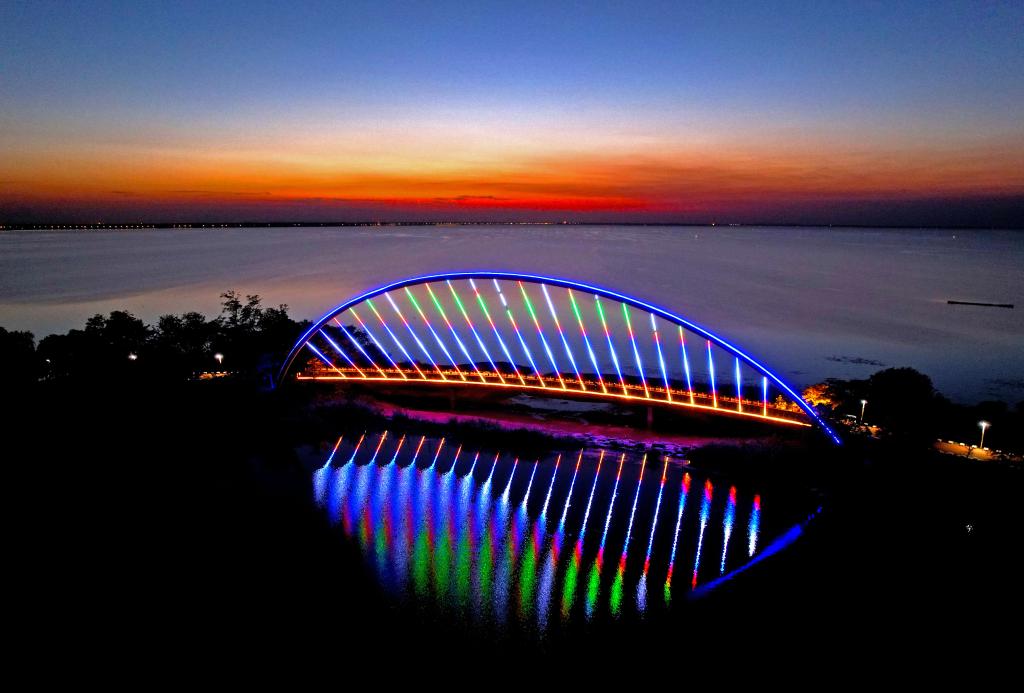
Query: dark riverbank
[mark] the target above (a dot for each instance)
(188, 512)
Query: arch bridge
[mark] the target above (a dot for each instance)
(544, 335)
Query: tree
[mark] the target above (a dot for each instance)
(18, 354)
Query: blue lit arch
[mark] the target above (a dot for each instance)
(644, 306)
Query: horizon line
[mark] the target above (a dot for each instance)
(129, 225)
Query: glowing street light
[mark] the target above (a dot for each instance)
(863, 404)
(984, 425)
(219, 357)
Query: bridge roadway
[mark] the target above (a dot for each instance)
(636, 393)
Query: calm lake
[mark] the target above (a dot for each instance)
(810, 302)
(547, 544)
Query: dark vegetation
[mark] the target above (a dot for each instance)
(162, 518)
(250, 338)
(905, 405)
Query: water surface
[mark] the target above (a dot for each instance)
(811, 302)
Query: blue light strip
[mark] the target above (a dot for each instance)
(661, 359)
(415, 337)
(401, 347)
(472, 329)
(377, 343)
(686, 363)
(483, 309)
(711, 372)
(515, 326)
(611, 348)
(343, 353)
(636, 352)
(451, 328)
(325, 359)
(588, 288)
(440, 343)
(739, 387)
(565, 343)
(586, 340)
(540, 332)
(357, 345)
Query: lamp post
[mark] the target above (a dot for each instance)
(863, 405)
(983, 425)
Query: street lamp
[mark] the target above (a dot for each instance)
(219, 357)
(863, 404)
(984, 425)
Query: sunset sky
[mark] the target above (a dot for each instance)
(860, 113)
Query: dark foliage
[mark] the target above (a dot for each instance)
(249, 338)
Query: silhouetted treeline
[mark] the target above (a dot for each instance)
(905, 404)
(246, 338)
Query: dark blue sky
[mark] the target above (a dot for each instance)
(619, 109)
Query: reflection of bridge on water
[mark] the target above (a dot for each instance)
(541, 334)
(587, 534)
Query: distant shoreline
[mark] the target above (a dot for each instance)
(129, 226)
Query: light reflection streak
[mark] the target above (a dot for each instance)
(730, 515)
(616, 595)
(754, 526)
(641, 590)
(572, 572)
(684, 491)
(705, 511)
(444, 539)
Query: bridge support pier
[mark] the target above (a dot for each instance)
(650, 417)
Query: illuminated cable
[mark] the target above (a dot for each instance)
(686, 364)
(377, 343)
(440, 342)
(540, 333)
(711, 372)
(480, 342)
(359, 346)
(401, 347)
(636, 352)
(611, 349)
(565, 342)
(344, 354)
(325, 359)
(661, 359)
(739, 387)
(451, 328)
(415, 337)
(522, 342)
(586, 340)
(487, 314)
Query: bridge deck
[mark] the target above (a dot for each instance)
(553, 385)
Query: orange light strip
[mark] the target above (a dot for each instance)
(589, 393)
